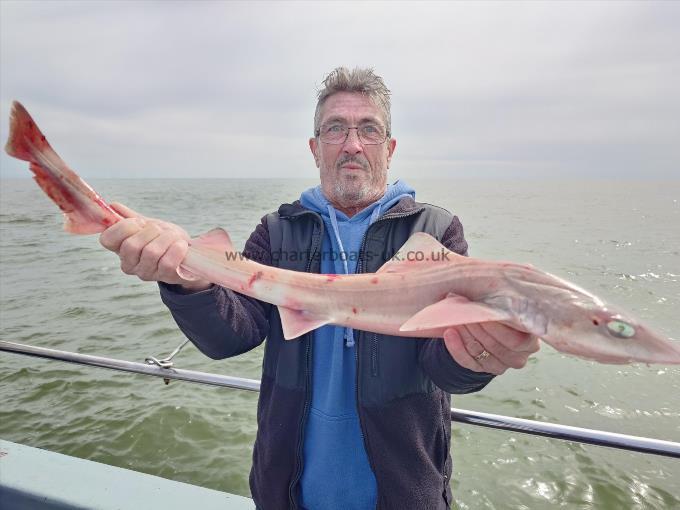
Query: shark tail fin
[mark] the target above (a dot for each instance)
(86, 212)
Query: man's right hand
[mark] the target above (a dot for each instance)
(148, 248)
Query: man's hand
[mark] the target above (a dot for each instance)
(506, 347)
(148, 248)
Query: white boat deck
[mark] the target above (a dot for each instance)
(31, 478)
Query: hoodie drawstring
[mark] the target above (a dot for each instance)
(349, 332)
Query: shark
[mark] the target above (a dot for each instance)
(420, 293)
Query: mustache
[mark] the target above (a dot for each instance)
(357, 160)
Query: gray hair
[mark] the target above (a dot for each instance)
(360, 80)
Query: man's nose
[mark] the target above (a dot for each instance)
(352, 143)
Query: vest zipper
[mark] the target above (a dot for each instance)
(374, 355)
(374, 337)
(447, 440)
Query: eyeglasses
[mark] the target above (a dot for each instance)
(336, 134)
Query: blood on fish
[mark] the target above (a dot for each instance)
(354, 310)
(332, 277)
(73, 196)
(374, 280)
(254, 278)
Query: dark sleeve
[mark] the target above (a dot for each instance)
(219, 321)
(434, 358)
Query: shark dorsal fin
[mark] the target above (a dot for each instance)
(420, 250)
(213, 244)
(216, 239)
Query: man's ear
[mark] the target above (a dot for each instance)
(314, 147)
(391, 145)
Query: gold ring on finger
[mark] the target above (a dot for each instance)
(482, 356)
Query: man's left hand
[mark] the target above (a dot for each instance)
(489, 347)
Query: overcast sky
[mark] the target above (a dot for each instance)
(226, 89)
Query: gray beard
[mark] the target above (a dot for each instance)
(350, 192)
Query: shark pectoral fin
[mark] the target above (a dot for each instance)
(452, 311)
(298, 322)
(419, 251)
(216, 239)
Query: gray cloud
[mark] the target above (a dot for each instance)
(227, 89)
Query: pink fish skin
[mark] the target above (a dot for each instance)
(85, 211)
(423, 298)
(421, 292)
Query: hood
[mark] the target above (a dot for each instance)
(314, 200)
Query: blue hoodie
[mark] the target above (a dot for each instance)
(336, 471)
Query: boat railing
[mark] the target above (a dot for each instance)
(165, 369)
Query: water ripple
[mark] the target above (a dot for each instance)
(65, 292)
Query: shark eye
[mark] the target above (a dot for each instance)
(621, 329)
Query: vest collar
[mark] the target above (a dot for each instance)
(405, 206)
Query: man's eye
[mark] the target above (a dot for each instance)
(335, 128)
(370, 129)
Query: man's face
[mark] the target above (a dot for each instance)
(352, 174)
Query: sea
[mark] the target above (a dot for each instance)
(618, 239)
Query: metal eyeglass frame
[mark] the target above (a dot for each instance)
(347, 128)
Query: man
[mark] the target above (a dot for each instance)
(346, 419)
